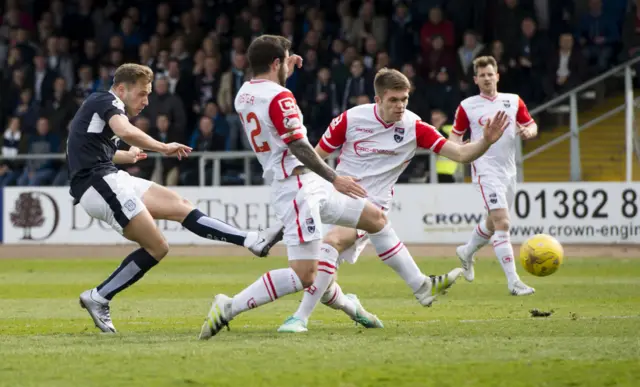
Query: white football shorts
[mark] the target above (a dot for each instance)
(303, 203)
(496, 192)
(115, 199)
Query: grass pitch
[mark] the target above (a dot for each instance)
(477, 335)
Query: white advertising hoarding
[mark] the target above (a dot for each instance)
(446, 213)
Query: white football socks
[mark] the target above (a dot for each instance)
(313, 294)
(480, 237)
(395, 255)
(268, 288)
(504, 252)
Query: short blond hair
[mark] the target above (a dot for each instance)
(390, 79)
(484, 61)
(132, 73)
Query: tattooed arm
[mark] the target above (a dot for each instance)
(308, 156)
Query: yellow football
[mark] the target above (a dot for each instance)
(541, 255)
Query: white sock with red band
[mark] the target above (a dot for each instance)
(335, 299)
(268, 288)
(480, 237)
(504, 252)
(395, 255)
(313, 294)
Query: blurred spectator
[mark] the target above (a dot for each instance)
(382, 60)
(41, 79)
(402, 35)
(530, 58)
(443, 93)
(59, 60)
(180, 53)
(161, 101)
(438, 57)
(181, 84)
(207, 83)
(40, 171)
(90, 55)
(104, 80)
(131, 38)
(508, 22)
(506, 67)
(164, 133)
(418, 94)
(370, 52)
(204, 139)
(230, 83)
(11, 145)
(598, 34)
(86, 83)
(566, 67)
(321, 104)
(308, 72)
(193, 34)
(28, 110)
(368, 24)
(554, 16)
(60, 108)
(466, 54)
(436, 25)
(357, 84)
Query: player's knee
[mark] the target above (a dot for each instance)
(379, 220)
(159, 250)
(307, 275)
(501, 224)
(372, 219)
(335, 241)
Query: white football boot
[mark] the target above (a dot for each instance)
(466, 260)
(98, 311)
(218, 317)
(266, 240)
(435, 285)
(293, 325)
(364, 318)
(519, 288)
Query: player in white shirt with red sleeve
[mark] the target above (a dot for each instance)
(377, 143)
(305, 191)
(494, 174)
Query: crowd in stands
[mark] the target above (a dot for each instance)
(54, 53)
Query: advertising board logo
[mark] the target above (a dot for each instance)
(29, 215)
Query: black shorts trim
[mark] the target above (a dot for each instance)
(110, 197)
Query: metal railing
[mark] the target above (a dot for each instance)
(216, 158)
(575, 128)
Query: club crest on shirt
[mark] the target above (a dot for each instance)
(398, 134)
(311, 225)
(507, 103)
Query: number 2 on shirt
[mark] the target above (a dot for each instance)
(255, 132)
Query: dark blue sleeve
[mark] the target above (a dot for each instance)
(107, 106)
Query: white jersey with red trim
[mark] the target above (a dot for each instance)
(377, 152)
(473, 113)
(271, 119)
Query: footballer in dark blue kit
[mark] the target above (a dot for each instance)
(130, 204)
